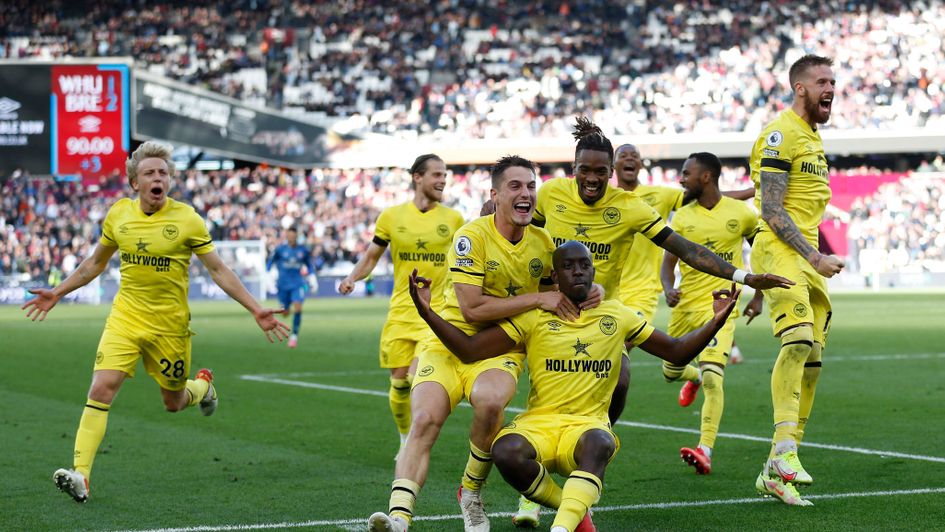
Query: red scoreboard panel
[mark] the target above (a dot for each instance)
(83, 109)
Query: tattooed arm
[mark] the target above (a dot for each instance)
(702, 259)
(773, 190)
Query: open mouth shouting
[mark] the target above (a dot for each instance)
(825, 103)
(523, 208)
(156, 191)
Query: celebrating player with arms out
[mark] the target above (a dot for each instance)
(419, 233)
(720, 223)
(572, 372)
(499, 266)
(607, 220)
(789, 169)
(149, 320)
(289, 258)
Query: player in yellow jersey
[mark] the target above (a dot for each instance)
(499, 266)
(790, 172)
(419, 233)
(155, 237)
(721, 224)
(572, 370)
(608, 220)
(640, 283)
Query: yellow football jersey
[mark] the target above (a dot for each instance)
(722, 230)
(573, 367)
(641, 271)
(418, 240)
(481, 256)
(789, 144)
(607, 227)
(155, 256)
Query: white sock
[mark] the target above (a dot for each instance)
(706, 450)
(784, 446)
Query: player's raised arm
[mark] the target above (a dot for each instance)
(741, 195)
(682, 350)
(224, 277)
(702, 259)
(487, 343)
(364, 267)
(89, 269)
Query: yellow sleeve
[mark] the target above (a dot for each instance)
(517, 327)
(467, 258)
(653, 223)
(639, 330)
(458, 221)
(108, 227)
(677, 198)
(544, 192)
(777, 150)
(382, 227)
(751, 221)
(198, 237)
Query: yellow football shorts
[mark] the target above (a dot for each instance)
(555, 437)
(399, 341)
(438, 364)
(644, 303)
(719, 348)
(166, 358)
(805, 302)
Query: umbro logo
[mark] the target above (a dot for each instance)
(8, 108)
(89, 124)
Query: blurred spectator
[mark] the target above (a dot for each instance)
(900, 228)
(477, 69)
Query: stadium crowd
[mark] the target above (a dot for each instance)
(900, 228)
(47, 227)
(478, 69)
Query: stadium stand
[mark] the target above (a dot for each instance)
(474, 69)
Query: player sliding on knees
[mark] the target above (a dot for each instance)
(150, 318)
(500, 266)
(573, 367)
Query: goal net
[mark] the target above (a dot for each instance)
(247, 258)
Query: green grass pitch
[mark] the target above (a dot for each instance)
(316, 450)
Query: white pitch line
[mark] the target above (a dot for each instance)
(730, 435)
(597, 509)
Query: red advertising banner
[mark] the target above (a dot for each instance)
(89, 122)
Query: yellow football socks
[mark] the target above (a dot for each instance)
(712, 405)
(89, 436)
(197, 388)
(403, 497)
(808, 388)
(477, 468)
(788, 371)
(544, 490)
(674, 373)
(399, 396)
(580, 492)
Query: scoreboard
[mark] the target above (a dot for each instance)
(65, 119)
